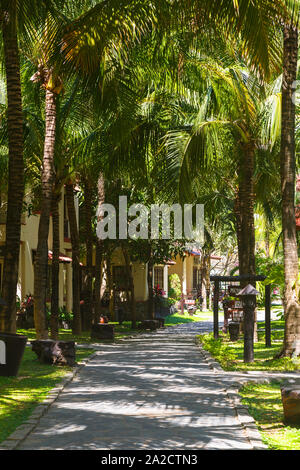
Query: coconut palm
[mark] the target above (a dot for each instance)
(288, 183)
(18, 19)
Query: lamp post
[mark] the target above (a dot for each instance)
(248, 297)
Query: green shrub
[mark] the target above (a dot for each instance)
(218, 349)
(174, 287)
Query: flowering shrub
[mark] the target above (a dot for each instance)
(158, 292)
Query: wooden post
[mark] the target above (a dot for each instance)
(216, 309)
(249, 308)
(268, 315)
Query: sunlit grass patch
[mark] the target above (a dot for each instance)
(230, 355)
(265, 405)
(179, 318)
(20, 395)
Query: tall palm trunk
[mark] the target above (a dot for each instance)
(288, 176)
(98, 281)
(204, 282)
(246, 198)
(16, 169)
(55, 269)
(151, 313)
(247, 240)
(208, 285)
(99, 252)
(131, 287)
(238, 225)
(77, 325)
(41, 261)
(88, 275)
(110, 283)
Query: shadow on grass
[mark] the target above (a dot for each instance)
(20, 395)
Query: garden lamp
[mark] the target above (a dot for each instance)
(248, 297)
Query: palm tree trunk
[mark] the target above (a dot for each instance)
(151, 313)
(110, 287)
(247, 248)
(98, 281)
(88, 275)
(208, 296)
(246, 210)
(77, 325)
(41, 261)
(131, 287)
(16, 169)
(99, 252)
(238, 226)
(204, 282)
(55, 269)
(288, 176)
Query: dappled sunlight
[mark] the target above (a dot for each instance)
(61, 429)
(151, 393)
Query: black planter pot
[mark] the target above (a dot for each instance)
(12, 352)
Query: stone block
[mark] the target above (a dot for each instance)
(149, 325)
(55, 352)
(290, 396)
(103, 331)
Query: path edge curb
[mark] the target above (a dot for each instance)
(22, 432)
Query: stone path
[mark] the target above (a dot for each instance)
(150, 392)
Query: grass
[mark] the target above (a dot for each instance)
(230, 355)
(20, 395)
(178, 318)
(121, 331)
(265, 405)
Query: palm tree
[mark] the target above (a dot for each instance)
(17, 20)
(288, 183)
(47, 179)
(16, 164)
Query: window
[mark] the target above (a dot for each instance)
(159, 277)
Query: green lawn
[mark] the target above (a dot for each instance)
(264, 404)
(121, 331)
(178, 318)
(230, 354)
(124, 330)
(20, 395)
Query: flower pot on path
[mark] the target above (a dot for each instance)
(12, 348)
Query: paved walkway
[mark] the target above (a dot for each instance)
(150, 392)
